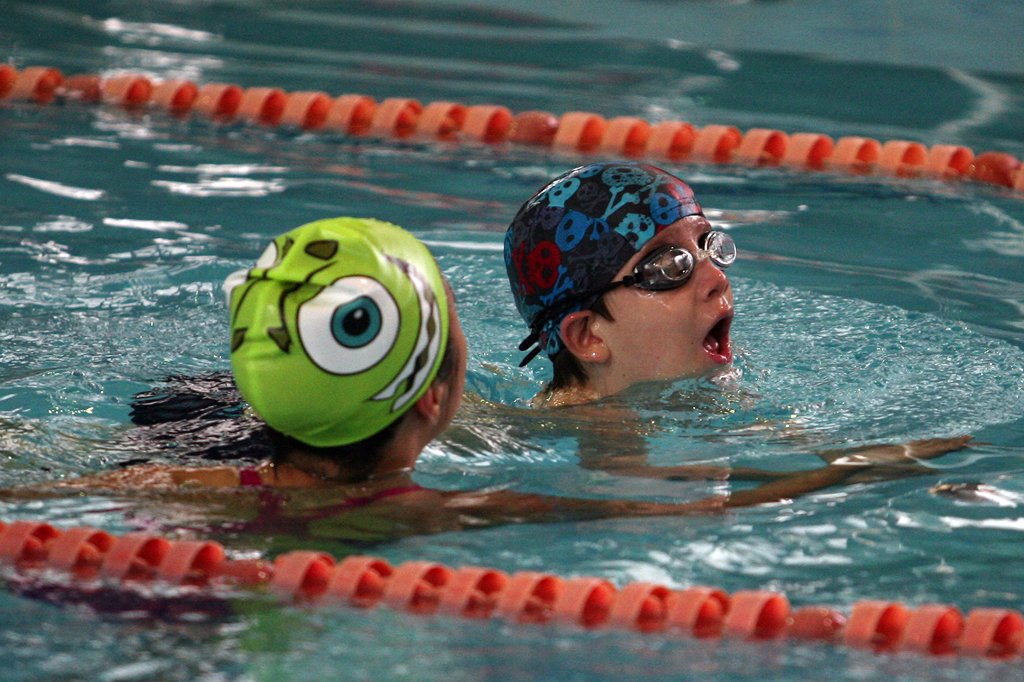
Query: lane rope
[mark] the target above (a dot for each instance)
(572, 133)
(78, 563)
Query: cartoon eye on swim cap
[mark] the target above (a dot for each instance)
(341, 332)
(350, 326)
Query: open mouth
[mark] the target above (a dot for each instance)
(717, 343)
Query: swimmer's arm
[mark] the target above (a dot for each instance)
(887, 462)
(695, 472)
(507, 506)
(132, 480)
(859, 465)
(149, 476)
(903, 454)
(483, 509)
(636, 466)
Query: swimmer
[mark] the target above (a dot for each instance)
(346, 343)
(621, 280)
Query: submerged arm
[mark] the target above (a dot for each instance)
(505, 506)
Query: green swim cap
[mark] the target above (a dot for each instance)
(338, 329)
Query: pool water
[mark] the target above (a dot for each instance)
(868, 310)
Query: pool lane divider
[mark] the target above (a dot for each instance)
(88, 565)
(571, 133)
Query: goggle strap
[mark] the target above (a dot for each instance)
(530, 356)
(553, 311)
(529, 341)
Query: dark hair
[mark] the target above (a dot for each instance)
(361, 458)
(568, 370)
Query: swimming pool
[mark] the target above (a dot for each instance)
(868, 310)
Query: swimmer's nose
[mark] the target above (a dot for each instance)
(711, 279)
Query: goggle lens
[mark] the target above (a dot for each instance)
(665, 268)
(671, 266)
(721, 249)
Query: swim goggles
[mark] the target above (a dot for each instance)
(667, 267)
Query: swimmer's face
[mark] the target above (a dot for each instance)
(672, 334)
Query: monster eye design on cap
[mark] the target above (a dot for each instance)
(337, 329)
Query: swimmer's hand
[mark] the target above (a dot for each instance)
(895, 455)
(887, 462)
(859, 465)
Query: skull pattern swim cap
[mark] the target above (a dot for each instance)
(338, 329)
(577, 232)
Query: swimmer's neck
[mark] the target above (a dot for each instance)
(564, 397)
(298, 468)
(603, 379)
(396, 459)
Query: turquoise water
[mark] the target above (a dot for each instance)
(869, 310)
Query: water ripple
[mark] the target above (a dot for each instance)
(57, 188)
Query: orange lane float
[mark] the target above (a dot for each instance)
(902, 158)
(625, 136)
(762, 147)
(995, 633)
(996, 168)
(487, 123)
(219, 101)
(7, 77)
(472, 592)
(264, 106)
(306, 110)
(396, 117)
(572, 133)
(127, 91)
(855, 155)
(534, 127)
(948, 161)
(876, 625)
(441, 120)
(579, 131)
(697, 611)
(37, 84)
(716, 143)
(83, 563)
(640, 606)
(671, 140)
(809, 151)
(86, 88)
(177, 97)
(351, 115)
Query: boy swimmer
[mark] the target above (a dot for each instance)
(345, 341)
(621, 279)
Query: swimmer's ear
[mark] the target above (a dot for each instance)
(431, 402)
(581, 338)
